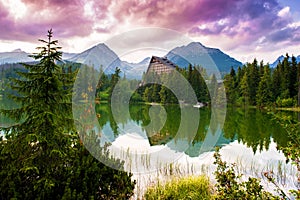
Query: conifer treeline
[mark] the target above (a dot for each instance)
(162, 93)
(258, 84)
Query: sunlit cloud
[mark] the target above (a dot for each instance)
(230, 24)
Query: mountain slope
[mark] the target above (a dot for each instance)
(280, 58)
(100, 55)
(197, 54)
(15, 56)
(136, 69)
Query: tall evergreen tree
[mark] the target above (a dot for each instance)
(114, 80)
(293, 87)
(147, 95)
(253, 81)
(198, 84)
(239, 77)
(45, 106)
(155, 93)
(264, 95)
(298, 82)
(285, 74)
(276, 82)
(245, 88)
(41, 156)
(213, 89)
(230, 86)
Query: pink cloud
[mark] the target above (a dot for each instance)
(246, 19)
(5, 22)
(65, 17)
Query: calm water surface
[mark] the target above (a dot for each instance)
(157, 142)
(159, 125)
(149, 140)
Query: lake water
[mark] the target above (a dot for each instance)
(160, 142)
(156, 146)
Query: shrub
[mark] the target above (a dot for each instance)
(103, 96)
(186, 188)
(229, 187)
(289, 102)
(291, 151)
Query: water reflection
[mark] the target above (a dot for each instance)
(252, 127)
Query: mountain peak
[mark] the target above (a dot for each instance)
(18, 51)
(101, 45)
(281, 58)
(98, 55)
(195, 44)
(196, 53)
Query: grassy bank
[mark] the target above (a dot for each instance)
(295, 109)
(185, 188)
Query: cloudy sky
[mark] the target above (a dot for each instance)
(244, 29)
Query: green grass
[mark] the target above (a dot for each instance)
(104, 96)
(186, 188)
(295, 109)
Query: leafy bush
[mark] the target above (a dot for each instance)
(103, 96)
(136, 98)
(71, 173)
(289, 102)
(292, 150)
(229, 187)
(186, 188)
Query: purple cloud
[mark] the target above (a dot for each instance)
(287, 34)
(244, 21)
(5, 23)
(65, 17)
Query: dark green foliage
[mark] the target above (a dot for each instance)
(42, 156)
(198, 84)
(230, 87)
(264, 94)
(160, 93)
(113, 81)
(147, 96)
(245, 88)
(253, 85)
(213, 89)
(253, 81)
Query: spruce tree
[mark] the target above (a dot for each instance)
(245, 88)
(276, 82)
(264, 95)
(253, 81)
(41, 156)
(213, 89)
(230, 87)
(285, 74)
(147, 94)
(44, 103)
(293, 87)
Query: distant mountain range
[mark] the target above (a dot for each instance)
(101, 55)
(19, 56)
(280, 59)
(14, 56)
(209, 58)
(194, 53)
